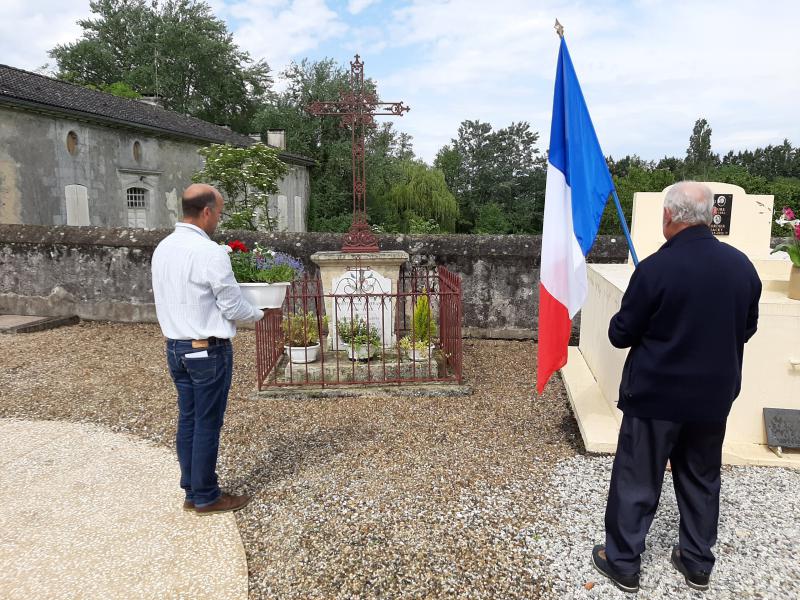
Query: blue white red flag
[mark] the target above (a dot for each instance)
(578, 186)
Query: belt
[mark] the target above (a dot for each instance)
(212, 341)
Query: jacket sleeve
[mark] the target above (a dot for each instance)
(752, 313)
(227, 292)
(629, 324)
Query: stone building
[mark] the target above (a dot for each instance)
(74, 156)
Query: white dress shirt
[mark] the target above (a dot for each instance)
(196, 294)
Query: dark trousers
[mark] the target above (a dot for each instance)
(695, 453)
(203, 384)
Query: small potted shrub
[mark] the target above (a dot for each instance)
(301, 335)
(262, 274)
(418, 344)
(361, 341)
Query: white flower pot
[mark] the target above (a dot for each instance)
(361, 353)
(301, 354)
(419, 355)
(265, 295)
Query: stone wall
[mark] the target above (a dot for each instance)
(104, 274)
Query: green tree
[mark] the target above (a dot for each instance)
(699, 157)
(118, 88)
(492, 220)
(175, 48)
(482, 166)
(330, 145)
(419, 202)
(637, 179)
(246, 177)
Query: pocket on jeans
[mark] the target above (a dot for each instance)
(201, 369)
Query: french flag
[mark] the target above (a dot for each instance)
(578, 186)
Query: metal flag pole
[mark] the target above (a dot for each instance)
(560, 31)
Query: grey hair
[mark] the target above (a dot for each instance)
(689, 202)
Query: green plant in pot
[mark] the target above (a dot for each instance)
(301, 334)
(419, 342)
(362, 341)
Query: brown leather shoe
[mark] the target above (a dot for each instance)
(188, 505)
(226, 503)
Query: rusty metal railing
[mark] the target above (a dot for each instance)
(363, 333)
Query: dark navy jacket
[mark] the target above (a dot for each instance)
(686, 315)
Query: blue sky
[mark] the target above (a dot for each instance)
(649, 68)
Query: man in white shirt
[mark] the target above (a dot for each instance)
(197, 301)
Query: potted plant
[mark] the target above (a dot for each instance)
(262, 274)
(792, 248)
(301, 335)
(361, 341)
(418, 344)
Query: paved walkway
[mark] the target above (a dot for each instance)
(86, 513)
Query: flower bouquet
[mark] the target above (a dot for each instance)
(263, 274)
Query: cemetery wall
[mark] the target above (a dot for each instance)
(104, 274)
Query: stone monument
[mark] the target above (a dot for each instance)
(771, 374)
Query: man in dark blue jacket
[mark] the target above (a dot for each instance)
(686, 315)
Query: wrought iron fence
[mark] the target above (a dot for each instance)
(362, 333)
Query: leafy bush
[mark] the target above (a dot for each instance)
(356, 333)
(303, 329)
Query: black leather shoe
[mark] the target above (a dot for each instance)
(627, 583)
(697, 580)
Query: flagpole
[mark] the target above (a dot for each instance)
(560, 31)
(625, 227)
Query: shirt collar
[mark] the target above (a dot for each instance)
(192, 228)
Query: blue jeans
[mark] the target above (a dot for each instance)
(203, 385)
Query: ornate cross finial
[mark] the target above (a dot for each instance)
(559, 29)
(357, 108)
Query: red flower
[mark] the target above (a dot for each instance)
(788, 213)
(237, 246)
(797, 232)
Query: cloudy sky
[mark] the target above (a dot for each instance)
(649, 68)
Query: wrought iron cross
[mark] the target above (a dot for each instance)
(357, 108)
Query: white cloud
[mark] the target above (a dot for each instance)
(281, 30)
(356, 6)
(28, 30)
(648, 69)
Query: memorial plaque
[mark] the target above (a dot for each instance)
(783, 427)
(721, 214)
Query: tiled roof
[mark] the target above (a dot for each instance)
(26, 89)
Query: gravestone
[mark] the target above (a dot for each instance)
(334, 267)
(771, 370)
(740, 219)
(359, 294)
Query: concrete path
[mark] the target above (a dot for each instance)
(86, 513)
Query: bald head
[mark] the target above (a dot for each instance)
(686, 204)
(202, 206)
(196, 197)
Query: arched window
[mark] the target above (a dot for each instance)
(137, 206)
(72, 143)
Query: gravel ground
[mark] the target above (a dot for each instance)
(757, 550)
(485, 496)
(353, 497)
